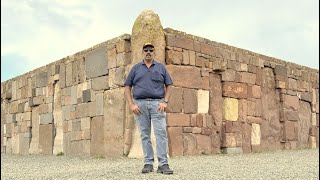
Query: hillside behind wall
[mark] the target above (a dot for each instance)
(224, 99)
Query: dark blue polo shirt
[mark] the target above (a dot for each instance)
(148, 82)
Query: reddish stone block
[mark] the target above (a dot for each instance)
(175, 103)
(45, 138)
(215, 101)
(291, 102)
(235, 90)
(199, 120)
(233, 65)
(243, 108)
(187, 129)
(203, 144)
(246, 137)
(185, 57)
(228, 140)
(255, 120)
(179, 73)
(290, 131)
(190, 101)
(259, 76)
(292, 84)
(288, 115)
(97, 135)
(228, 75)
(248, 78)
(254, 91)
(175, 119)
(174, 57)
(200, 61)
(179, 42)
(189, 144)
(205, 83)
(207, 49)
(206, 131)
(175, 141)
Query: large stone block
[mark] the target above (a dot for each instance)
(45, 138)
(256, 134)
(230, 109)
(204, 144)
(288, 115)
(117, 77)
(178, 119)
(42, 79)
(96, 63)
(235, 90)
(229, 140)
(123, 59)
(114, 116)
(280, 70)
(246, 130)
(303, 124)
(228, 75)
(290, 131)
(248, 78)
(216, 99)
(81, 147)
(203, 101)
(78, 71)
(292, 84)
(112, 58)
(175, 41)
(178, 75)
(190, 101)
(174, 57)
(291, 102)
(123, 45)
(69, 74)
(185, 57)
(306, 96)
(175, 141)
(97, 136)
(189, 144)
(175, 103)
(46, 118)
(99, 104)
(254, 91)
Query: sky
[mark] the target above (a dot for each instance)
(35, 33)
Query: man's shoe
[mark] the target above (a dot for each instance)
(147, 168)
(164, 169)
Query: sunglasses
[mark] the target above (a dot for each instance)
(146, 50)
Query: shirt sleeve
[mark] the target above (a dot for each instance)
(129, 80)
(167, 77)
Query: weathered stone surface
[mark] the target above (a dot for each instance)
(230, 109)
(215, 109)
(292, 84)
(291, 102)
(203, 144)
(304, 124)
(114, 115)
(228, 75)
(175, 140)
(117, 77)
(203, 101)
(86, 94)
(148, 23)
(123, 59)
(45, 138)
(177, 119)
(235, 90)
(189, 144)
(248, 78)
(42, 79)
(192, 57)
(256, 134)
(190, 101)
(268, 79)
(180, 42)
(288, 115)
(246, 130)
(46, 118)
(112, 58)
(174, 57)
(254, 91)
(193, 80)
(96, 63)
(81, 147)
(175, 103)
(280, 70)
(228, 140)
(78, 71)
(123, 45)
(69, 74)
(185, 57)
(290, 131)
(306, 96)
(99, 104)
(97, 136)
(233, 150)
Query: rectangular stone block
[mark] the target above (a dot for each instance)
(289, 115)
(179, 42)
(175, 141)
(203, 101)
(254, 91)
(235, 90)
(230, 109)
(42, 79)
(256, 134)
(178, 119)
(292, 84)
(280, 70)
(123, 59)
(99, 104)
(203, 144)
(190, 101)
(86, 96)
(112, 58)
(175, 103)
(173, 57)
(177, 72)
(228, 140)
(78, 71)
(85, 123)
(185, 57)
(117, 77)
(306, 96)
(46, 118)
(290, 131)
(81, 147)
(97, 136)
(192, 58)
(291, 102)
(248, 78)
(45, 138)
(62, 76)
(96, 63)
(189, 144)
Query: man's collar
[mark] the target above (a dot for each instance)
(153, 62)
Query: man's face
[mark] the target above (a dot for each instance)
(148, 53)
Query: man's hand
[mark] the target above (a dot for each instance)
(135, 109)
(162, 106)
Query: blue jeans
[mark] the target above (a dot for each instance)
(150, 114)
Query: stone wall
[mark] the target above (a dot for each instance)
(224, 99)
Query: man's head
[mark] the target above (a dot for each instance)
(148, 51)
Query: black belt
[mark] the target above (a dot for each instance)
(150, 99)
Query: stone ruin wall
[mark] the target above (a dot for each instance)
(224, 99)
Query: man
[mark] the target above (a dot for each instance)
(150, 84)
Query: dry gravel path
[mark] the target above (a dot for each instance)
(290, 164)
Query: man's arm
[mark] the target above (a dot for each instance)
(167, 93)
(134, 108)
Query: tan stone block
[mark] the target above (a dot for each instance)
(193, 119)
(123, 59)
(236, 90)
(256, 134)
(243, 67)
(189, 144)
(175, 102)
(177, 74)
(176, 119)
(123, 45)
(248, 78)
(185, 57)
(187, 129)
(230, 109)
(175, 141)
(243, 109)
(314, 119)
(85, 123)
(292, 85)
(190, 101)
(203, 101)
(312, 142)
(112, 58)
(179, 42)
(291, 102)
(192, 58)
(200, 61)
(259, 75)
(290, 131)
(45, 138)
(116, 77)
(246, 130)
(228, 140)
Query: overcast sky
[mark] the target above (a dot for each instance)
(37, 32)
